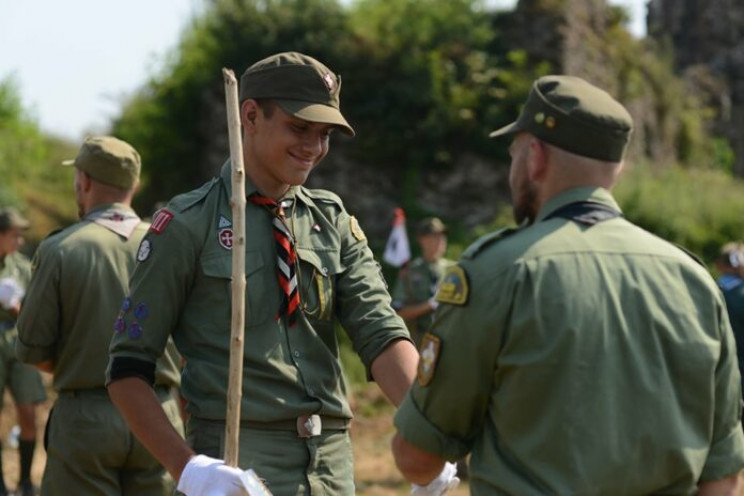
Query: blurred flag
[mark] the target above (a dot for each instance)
(397, 249)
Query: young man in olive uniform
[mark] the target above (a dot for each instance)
(80, 277)
(24, 381)
(577, 354)
(308, 269)
(413, 293)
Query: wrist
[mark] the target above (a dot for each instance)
(433, 303)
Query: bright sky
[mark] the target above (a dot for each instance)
(75, 61)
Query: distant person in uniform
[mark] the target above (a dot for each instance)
(416, 284)
(80, 278)
(24, 382)
(730, 265)
(577, 353)
(309, 269)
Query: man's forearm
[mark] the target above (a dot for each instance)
(417, 466)
(144, 415)
(395, 369)
(730, 486)
(414, 311)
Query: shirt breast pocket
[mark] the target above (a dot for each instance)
(217, 268)
(317, 277)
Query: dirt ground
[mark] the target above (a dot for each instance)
(371, 431)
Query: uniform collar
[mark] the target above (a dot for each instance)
(98, 209)
(250, 188)
(592, 194)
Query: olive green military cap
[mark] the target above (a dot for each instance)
(430, 225)
(10, 218)
(108, 160)
(300, 85)
(576, 116)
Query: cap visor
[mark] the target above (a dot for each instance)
(508, 129)
(316, 112)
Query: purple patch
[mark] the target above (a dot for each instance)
(119, 325)
(126, 304)
(141, 311)
(135, 331)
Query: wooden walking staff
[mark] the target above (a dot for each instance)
(237, 287)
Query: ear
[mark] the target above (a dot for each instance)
(248, 114)
(537, 160)
(86, 182)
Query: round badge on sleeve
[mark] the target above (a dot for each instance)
(144, 250)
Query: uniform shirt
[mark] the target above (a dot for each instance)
(417, 283)
(182, 287)
(17, 266)
(733, 292)
(80, 278)
(583, 360)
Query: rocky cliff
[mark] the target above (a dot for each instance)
(707, 39)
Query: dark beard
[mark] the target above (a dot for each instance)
(527, 208)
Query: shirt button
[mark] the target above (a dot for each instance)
(297, 354)
(324, 270)
(310, 391)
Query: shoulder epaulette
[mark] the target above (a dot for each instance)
(487, 240)
(53, 232)
(184, 201)
(691, 254)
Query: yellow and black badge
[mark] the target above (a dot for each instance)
(356, 230)
(454, 287)
(429, 352)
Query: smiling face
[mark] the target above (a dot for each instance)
(281, 150)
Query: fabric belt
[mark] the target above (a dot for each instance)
(161, 391)
(306, 426)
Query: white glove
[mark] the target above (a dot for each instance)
(205, 476)
(11, 293)
(445, 481)
(433, 303)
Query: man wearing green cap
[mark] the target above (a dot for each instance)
(413, 293)
(578, 353)
(80, 278)
(24, 382)
(308, 270)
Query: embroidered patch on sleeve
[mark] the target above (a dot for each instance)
(160, 221)
(144, 250)
(454, 287)
(356, 230)
(429, 351)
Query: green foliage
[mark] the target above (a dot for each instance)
(21, 143)
(698, 209)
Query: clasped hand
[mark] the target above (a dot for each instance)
(205, 476)
(446, 480)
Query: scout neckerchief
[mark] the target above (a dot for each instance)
(286, 256)
(118, 220)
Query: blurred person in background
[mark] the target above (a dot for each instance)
(24, 382)
(80, 277)
(730, 265)
(416, 284)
